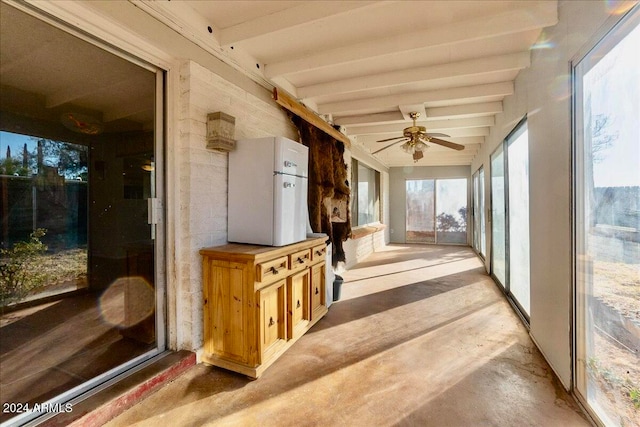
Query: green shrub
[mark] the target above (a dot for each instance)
(19, 270)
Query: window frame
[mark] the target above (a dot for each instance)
(614, 30)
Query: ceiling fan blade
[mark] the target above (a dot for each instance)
(388, 146)
(447, 144)
(440, 135)
(391, 139)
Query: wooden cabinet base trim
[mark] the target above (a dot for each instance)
(257, 371)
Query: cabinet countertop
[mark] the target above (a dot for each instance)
(246, 251)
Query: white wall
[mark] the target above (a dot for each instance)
(542, 92)
(397, 193)
(203, 179)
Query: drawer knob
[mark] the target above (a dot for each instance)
(318, 253)
(300, 260)
(317, 291)
(271, 322)
(274, 270)
(298, 305)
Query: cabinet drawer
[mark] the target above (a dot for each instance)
(273, 270)
(299, 260)
(318, 253)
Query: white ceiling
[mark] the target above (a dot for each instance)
(364, 65)
(367, 64)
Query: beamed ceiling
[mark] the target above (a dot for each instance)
(364, 65)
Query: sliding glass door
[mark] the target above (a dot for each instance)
(436, 211)
(479, 234)
(81, 255)
(498, 218)
(607, 226)
(510, 217)
(518, 211)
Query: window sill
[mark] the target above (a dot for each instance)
(366, 230)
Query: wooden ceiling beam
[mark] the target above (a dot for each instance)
(305, 14)
(432, 126)
(464, 111)
(462, 95)
(530, 17)
(437, 72)
(390, 117)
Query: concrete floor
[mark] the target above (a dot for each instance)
(421, 337)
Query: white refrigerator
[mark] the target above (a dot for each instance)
(268, 192)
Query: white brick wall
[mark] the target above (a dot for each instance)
(202, 189)
(356, 250)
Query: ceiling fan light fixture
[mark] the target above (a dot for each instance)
(82, 123)
(407, 147)
(421, 146)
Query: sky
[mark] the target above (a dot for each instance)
(16, 142)
(614, 88)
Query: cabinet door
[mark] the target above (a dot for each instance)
(298, 303)
(317, 290)
(272, 319)
(224, 309)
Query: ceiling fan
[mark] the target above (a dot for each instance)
(415, 139)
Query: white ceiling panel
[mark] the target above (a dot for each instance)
(360, 62)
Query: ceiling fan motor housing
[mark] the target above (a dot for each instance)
(412, 130)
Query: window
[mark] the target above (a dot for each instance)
(366, 194)
(607, 226)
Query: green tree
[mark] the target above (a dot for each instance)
(70, 159)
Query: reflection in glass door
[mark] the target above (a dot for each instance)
(79, 162)
(498, 218)
(607, 226)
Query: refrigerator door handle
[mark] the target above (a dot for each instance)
(288, 185)
(289, 164)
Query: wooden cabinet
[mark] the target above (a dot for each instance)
(258, 300)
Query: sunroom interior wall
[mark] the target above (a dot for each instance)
(543, 93)
(203, 178)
